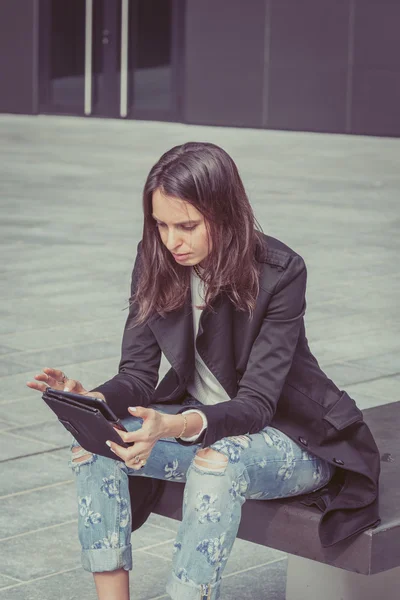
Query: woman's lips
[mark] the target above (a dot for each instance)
(181, 256)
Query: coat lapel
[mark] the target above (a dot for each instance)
(214, 341)
(215, 344)
(174, 334)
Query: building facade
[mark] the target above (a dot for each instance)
(304, 65)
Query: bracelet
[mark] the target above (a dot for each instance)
(184, 426)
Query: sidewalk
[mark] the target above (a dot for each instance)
(71, 218)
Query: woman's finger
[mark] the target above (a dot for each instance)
(118, 450)
(56, 379)
(129, 437)
(127, 455)
(40, 387)
(55, 375)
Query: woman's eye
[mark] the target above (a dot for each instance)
(185, 228)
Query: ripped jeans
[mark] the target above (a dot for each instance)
(265, 465)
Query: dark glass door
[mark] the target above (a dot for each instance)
(111, 58)
(61, 57)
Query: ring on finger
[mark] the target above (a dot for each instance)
(137, 458)
(64, 378)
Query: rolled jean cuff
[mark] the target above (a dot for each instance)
(180, 589)
(107, 559)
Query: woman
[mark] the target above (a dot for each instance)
(245, 411)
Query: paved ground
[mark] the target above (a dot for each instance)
(70, 221)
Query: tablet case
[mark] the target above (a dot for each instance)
(88, 425)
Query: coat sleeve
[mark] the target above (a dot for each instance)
(269, 362)
(138, 369)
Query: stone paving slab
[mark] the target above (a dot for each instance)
(388, 362)
(62, 551)
(349, 373)
(13, 446)
(263, 582)
(62, 335)
(384, 390)
(28, 512)
(7, 581)
(51, 432)
(28, 411)
(23, 474)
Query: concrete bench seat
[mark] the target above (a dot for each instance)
(338, 572)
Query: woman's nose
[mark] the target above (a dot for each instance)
(173, 240)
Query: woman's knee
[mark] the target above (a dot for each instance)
(81, 458)
(209, 460)
(80, 455)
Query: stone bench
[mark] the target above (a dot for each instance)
(338, 572)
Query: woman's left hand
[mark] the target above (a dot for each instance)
(144, 439)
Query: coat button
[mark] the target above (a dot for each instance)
(338, 461)
(303, 441)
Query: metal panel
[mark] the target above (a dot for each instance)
(224, 67)
(18, 56)
(88, 56)
(123, 110)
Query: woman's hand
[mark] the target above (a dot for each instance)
(144, 439)
(57, 380)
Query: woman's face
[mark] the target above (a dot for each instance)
(182, 229)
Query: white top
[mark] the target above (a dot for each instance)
(204, 387)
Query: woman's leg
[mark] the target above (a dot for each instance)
(104, 510)
(219, 480)
(104, 522)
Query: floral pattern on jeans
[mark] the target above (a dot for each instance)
(91, 517)
(214, 550)
(172, 471)
(205, 508)
(182, 575)
(318, 473)
(286, 471)
(110, 487)
(177, 547)
(273, 439)
(111, 541)
(84, 504)
(238, 488)
(229, 448)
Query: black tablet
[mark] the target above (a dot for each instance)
(90, 420)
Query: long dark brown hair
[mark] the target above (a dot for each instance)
(205, 176)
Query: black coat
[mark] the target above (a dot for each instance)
(266, 367)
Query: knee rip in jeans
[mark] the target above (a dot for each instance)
(80, 455)
(210, 461)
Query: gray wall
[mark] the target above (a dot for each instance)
(224, 62)
(19, 56)
(315, 65)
